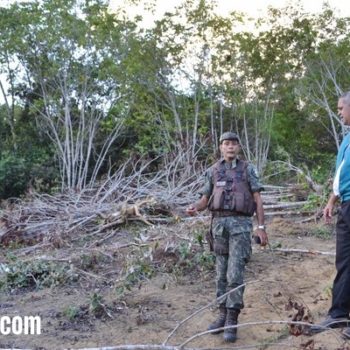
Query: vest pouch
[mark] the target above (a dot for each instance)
(245, 203)
(216, 201)
(250, 204)
(232, 202)
(239, 202)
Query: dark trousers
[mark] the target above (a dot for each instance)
(341, 285)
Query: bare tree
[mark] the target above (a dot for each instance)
(8, 95)
(323, 88)
(72, 123)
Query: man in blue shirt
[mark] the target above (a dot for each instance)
(338, 314)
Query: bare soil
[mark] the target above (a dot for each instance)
(142, 282)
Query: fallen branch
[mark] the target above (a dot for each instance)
(283, 345)
(285, 205)
(258, 323)
(126, 212)
(139, 347)
(304, 173)
(289, 213)
(304, 251)
(272, 199)
(182, 346)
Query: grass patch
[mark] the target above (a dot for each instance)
(321, 231)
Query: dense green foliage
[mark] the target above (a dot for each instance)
(83, 88)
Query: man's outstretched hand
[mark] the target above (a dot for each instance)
(191, 210)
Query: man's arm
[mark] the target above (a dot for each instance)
(200, 205)
(328, 210)
(260, 216)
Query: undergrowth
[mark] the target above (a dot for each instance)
(35, 274)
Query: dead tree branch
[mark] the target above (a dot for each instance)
(304, 251)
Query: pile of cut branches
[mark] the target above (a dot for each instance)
(147, 197)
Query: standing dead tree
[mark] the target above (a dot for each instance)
(324, 88)
(72, 124)
(255, 134)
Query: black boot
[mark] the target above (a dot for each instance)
(220, 321)
(230, 334)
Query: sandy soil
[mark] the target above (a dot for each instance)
(280, 286)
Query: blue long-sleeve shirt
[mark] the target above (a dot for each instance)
(343, 167)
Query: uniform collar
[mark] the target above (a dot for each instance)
(230, 165)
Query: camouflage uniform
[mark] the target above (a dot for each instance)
(234, 233)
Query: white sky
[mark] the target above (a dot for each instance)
(251, 7)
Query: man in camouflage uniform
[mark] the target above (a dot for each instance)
(232, 193)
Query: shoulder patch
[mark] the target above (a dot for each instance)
(255, 172)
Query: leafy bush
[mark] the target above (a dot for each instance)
(14, 176)
(36, 274)
(18, 172)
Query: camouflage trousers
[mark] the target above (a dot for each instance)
(233, 250)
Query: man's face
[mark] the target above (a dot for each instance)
(230, 149)
(344, 111)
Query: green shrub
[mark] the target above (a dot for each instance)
(18, 172)
(14, 176)
(36, 275)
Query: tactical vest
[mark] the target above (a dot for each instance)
(231, 192)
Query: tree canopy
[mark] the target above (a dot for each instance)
(84, 88)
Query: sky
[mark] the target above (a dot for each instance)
(254, 8)
(251, 7)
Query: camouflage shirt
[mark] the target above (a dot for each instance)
(238, 223)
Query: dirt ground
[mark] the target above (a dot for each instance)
(107, 307)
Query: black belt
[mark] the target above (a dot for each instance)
(223, 214)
